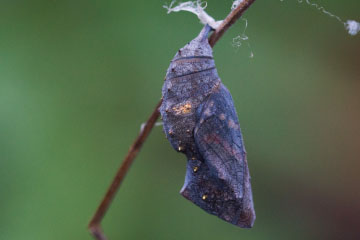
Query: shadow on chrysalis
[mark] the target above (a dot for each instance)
(200, 121)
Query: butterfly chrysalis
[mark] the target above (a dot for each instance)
(200, 121)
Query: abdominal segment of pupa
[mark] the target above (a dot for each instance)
(200, 121)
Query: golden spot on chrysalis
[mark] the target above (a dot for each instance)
(195, 169)
(204, 197)
(182, 109)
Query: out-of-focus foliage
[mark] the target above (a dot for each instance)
(78, 78)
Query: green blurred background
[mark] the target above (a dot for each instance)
(78, 78)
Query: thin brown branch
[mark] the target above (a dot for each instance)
(230, 20)
(94, 225)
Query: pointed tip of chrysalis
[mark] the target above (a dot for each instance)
(204, 33)
(199, 46)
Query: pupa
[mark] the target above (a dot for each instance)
(200, 121)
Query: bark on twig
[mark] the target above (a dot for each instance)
(230, 20)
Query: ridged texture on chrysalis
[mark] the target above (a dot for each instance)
(200, 121)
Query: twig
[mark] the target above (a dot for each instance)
(94, 225)
(230, 20)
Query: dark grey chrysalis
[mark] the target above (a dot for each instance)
(200, 121)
